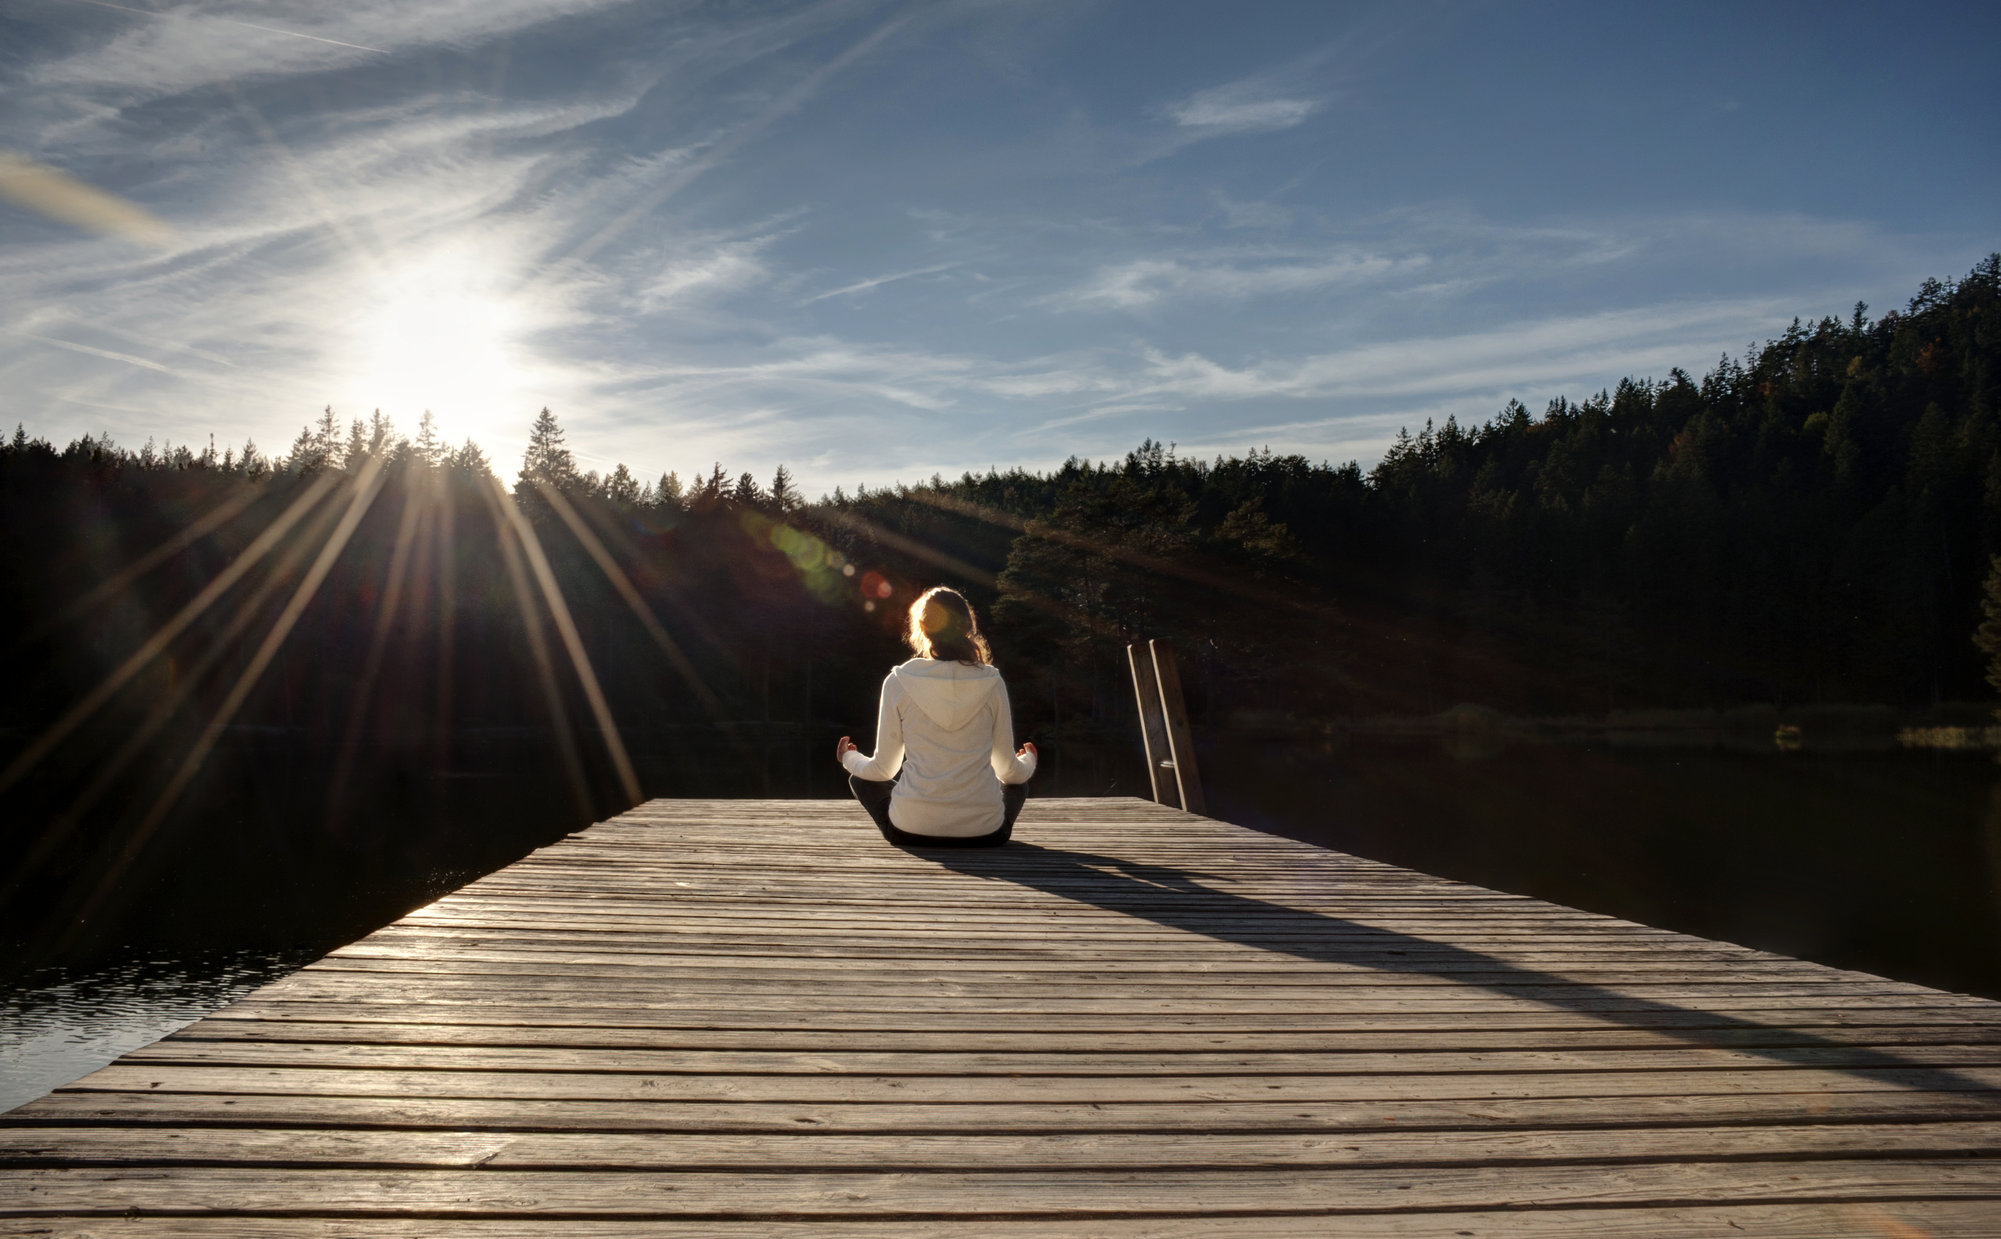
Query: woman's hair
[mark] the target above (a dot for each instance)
(942, 626)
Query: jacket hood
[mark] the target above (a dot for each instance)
(949, 693)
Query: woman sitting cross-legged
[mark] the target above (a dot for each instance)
(945, 723)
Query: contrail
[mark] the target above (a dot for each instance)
(801, 91)
(105, 353)
(862, 286)
(230, 21)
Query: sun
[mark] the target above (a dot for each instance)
(441, 334)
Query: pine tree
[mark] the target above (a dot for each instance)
(621, 487)
(428, 446)
(306, 455)
(469, 459)
(357, 445)
(326, 437)
(381, 433)
(747, 490)
(669, 493)
(1987, 638)
(784, 494)
(546, 460)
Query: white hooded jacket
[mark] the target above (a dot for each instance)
(948, 727)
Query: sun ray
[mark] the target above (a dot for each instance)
(690, 617)
(364, 487)
(447, 612)
(414, 512)
(203, 525)
(158, 642)
(630, 593)
(1138, 559)
(538, 648)
(105, 773)
(937, 558)
(566, 627)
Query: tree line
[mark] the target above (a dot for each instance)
(1814, 522)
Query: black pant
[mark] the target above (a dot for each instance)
(874, 795)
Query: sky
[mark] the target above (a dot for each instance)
(874, 241)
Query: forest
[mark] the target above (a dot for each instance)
(1814, 524)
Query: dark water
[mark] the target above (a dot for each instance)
(1886, 860)
(1876, 857)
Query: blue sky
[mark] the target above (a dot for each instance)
(878, 240)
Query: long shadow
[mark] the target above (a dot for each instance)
(1176, 898)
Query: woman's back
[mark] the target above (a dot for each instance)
(946, 726)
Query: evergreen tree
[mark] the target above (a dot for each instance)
(306, 456)
(356, 450)
(326, 437)
(469, 460)
(381, 433)
(547, 460)
(428, 446)
(1987, 638)
(784, 494)
(621, 487)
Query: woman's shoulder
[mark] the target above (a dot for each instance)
(943, 669)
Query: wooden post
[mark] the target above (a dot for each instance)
(1180, 743)
(1153, 727)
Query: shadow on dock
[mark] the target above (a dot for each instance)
(1178, 899)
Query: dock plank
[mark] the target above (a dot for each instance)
(753, 1018)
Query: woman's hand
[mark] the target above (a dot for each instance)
(844, 747)
(1027, 749)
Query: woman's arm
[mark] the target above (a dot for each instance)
(1009, 765)
(888, 757)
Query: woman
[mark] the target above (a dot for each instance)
(944, 722)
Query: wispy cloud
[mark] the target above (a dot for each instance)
(1229, 110)
(762, 233)
(1146, 281)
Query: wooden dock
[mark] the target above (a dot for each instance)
(727, 1018)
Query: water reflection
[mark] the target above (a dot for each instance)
(59, 1023)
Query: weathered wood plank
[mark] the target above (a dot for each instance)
(531, 1029)
(670, 1114)
(447, 1194)
(976, 1062)
(311, 1081)
(1056, 1153)
(1899, 1219)
(749, 1018)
